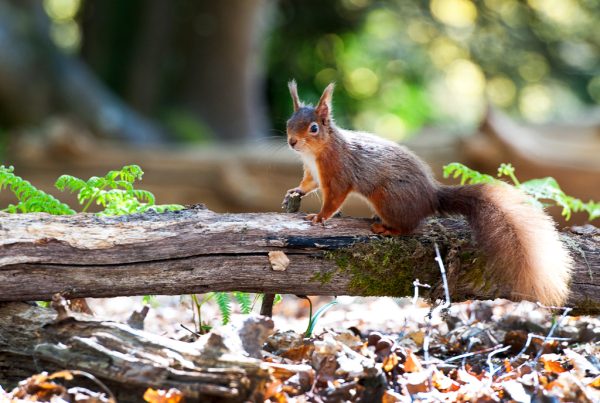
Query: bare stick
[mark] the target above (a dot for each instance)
(416, 293)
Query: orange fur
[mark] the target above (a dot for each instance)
(518, 239)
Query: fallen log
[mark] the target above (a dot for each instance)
(222, 366)
(196, 250)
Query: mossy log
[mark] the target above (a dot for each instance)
(196, 250)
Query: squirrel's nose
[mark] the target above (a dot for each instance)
(292, 142)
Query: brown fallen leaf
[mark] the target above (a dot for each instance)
(390, 362)
(443, 383)
(595, 383)
(163, 396)
(412, 363)
(417, 382)
(393, 397)
(552, 364)
(285, 371)
(279, 261)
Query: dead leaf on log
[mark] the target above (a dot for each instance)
(279, 261)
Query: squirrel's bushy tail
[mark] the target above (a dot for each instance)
(518, 238)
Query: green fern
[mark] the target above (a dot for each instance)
(114, 192)
(243, 299)
(224, 304)
(29, 198)
(466, 174)
(544, 191)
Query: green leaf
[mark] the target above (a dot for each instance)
(314, 319)
(243, 298)
(30, 199)
(224, 304)
(467, 175)
(150, 300)
(544, 191)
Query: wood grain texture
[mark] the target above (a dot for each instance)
(33, 339)
(197, 250)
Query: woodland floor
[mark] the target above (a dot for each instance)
(379, 349)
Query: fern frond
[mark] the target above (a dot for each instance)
(544, 191)
(30, 199)
(70, 183)
(467, 175)
(243, 298)
(224, 304)
(130, 173)
(143, 195)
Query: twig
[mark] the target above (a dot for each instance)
(445, 305)
(440, 262)
(531, 336)
(190, 330)
(416, 293)
(489, 360)
(467, 355)
(554, 326)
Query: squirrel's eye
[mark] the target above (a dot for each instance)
(314, 128)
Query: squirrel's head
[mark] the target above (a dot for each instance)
(309, 128)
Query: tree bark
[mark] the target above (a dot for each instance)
(223, 79)
(215, 368)
(197, 250)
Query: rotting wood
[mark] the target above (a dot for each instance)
(197, 250)
(221, 366)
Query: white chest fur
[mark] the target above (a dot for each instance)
(311, 163)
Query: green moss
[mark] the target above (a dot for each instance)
(324, 276)
(386, 266)
(476, 275)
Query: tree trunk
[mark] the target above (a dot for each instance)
(224, 78)
(37, 81)
(197, 250)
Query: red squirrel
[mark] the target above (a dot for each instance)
(518, 238)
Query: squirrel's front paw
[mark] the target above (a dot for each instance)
(290, 193)
(315, 218)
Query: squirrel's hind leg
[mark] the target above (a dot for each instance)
(382, 229)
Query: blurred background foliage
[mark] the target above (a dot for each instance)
(402, 64)
(399, 65)
(196, 93)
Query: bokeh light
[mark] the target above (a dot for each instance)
(457, 13)
(62, 10)
(465, 79)
(441, 61)
(391, 127)
(362, 83)
(501, 90)
(443, 51)
(64, 30)
(535, 102)
(533, 67)
(66, 35)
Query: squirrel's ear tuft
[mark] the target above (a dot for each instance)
(323, 109)
(294, 93)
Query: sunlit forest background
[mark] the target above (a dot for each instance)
(198, 74)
